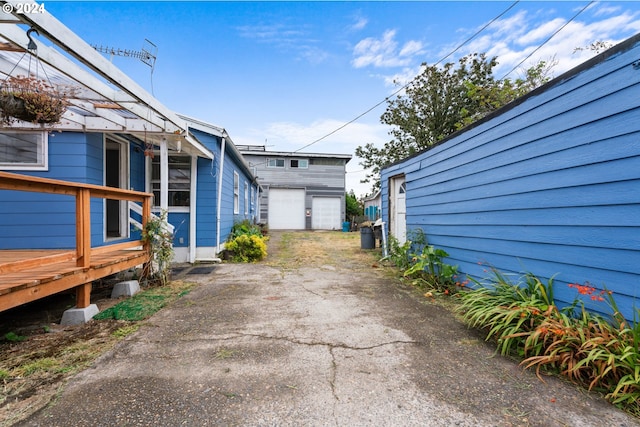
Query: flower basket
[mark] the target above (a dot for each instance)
(31, 100)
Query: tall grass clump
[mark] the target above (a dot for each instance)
(600, 353)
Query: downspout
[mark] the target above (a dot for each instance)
(219, 203)
(192, 209)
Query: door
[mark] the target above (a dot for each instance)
(398, 211)
(115, 175)
(286, 209)
(326, 213)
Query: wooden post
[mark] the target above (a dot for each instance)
(83, 228)
(146, 215)
(83, 295)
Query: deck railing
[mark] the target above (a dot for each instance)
(82, 193)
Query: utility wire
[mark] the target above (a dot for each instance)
(548, 39)
(409, 83)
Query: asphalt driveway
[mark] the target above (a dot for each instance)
(317, 335)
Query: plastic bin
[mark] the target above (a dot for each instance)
(346, 226)
(367, 241)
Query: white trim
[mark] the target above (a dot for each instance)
(236, 193)
(192, 209)
(125, 183)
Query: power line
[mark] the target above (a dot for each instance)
(548, 39)
(409, 83)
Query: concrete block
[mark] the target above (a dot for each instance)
(78, 316)
(127, 289)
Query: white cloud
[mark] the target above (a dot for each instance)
(287, 39)
(359, 24)
(384, 52)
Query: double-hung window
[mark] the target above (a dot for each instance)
(236, 193)
(246, 198)
(179, 180)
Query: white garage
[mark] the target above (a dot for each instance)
(286, 209)
(326, 213)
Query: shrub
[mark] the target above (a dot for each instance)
(247, 248)
(244, 227)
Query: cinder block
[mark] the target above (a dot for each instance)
(127, 289)
(78, 316)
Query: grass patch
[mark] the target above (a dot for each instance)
(144, 304)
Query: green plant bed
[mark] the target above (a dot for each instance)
(146, 303)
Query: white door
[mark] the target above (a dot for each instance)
(286, 209)
(326, 213)
(399, 214)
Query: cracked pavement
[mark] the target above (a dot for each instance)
(314, 336)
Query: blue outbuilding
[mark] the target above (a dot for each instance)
(549, 184)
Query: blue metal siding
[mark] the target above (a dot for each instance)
(550, 186)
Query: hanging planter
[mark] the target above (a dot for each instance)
(31, 100)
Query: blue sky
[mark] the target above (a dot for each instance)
(285, 74)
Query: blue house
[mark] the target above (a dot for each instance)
(549, 184)
(115, 136)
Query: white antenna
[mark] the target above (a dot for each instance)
(147, 55)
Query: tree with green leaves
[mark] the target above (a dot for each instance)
(440, 101)
(353, 206)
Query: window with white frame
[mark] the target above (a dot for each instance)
(246, 198)
(300, 163)
(253, 197)
(179, 180)
(236, 193)
(23, 150)
(275, 163)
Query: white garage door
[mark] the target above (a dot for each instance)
(286, 209)
(326, 213)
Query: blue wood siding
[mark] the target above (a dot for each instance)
(549, 185)
(75, 157)
(207, 191)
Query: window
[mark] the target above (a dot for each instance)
(236, 193)
(246, 198)
(300, 163)
(275, 163)
(179, 180)
(253, 197)
(327, 162)
(23, 150)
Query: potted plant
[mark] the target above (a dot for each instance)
(31, 100)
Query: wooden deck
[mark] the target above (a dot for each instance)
(27, 275)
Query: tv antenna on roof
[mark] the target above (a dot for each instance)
(147, 54)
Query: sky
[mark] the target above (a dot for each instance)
(294, 76)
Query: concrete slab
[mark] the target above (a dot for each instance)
(125, 289)
(78, 316)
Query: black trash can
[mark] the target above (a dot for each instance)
(367, 241)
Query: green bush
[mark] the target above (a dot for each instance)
(247, 248)
(244, 228)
